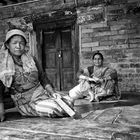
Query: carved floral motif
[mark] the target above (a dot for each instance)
(20, 23)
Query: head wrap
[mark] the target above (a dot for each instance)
(7, 66)
(15, 32)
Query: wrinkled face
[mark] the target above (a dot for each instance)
(16, 45)
(97, 61)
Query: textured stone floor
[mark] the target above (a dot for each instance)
(100, 121)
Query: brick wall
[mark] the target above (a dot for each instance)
(112, 28)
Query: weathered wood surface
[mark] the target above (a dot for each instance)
(101, 121)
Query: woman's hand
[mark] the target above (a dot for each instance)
(2, 117)
(83, 77)
(49, 88)
(56, 95)
(52, 91)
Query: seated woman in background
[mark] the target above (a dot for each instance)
(30, 89)
(99, 82)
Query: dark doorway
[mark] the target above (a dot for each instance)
(58, 53)
(57, 57)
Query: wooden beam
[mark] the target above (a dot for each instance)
(7, 2)
(44, 7)
(89, 2)
(76, 2)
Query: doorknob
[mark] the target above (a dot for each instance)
(59, 55)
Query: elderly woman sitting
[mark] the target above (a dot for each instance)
(29, 86)
(98, 81)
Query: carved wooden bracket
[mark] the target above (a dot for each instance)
(50, 16)
(19, 23)
(107, 2)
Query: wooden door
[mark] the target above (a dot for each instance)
(58, 57)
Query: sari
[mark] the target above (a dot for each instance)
(106, 90)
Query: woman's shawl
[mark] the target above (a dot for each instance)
(107, 73)
(110, 77)
(7, 66)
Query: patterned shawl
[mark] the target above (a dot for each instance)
(7, 66)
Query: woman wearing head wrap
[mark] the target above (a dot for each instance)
(28, 85)
(98, 81)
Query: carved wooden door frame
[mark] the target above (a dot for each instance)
(74, 36)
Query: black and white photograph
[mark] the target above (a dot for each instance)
(69, 69)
